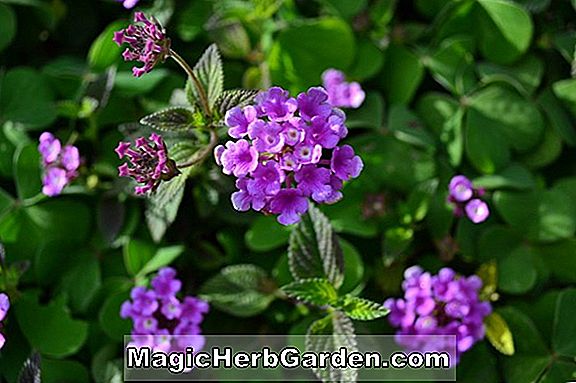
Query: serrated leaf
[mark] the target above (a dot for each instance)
(330, 334)
(175, 119)
(235, 97)
(316, 291)
(241, 290)
(314, 251)
(209, 72)
(31, 372)
(498, 334)
(360, 308)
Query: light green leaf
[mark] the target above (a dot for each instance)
(360, 308)
(498, 334)
(315, 291)
(27, 171)
(452, 64)
(314, 251)
(59, 335)
(240, 290)
(136, 253)
(524, 76)
(104, 52)
(565, 90)
(266, 234)
(209, 72)
(513, 177)
(163, 257)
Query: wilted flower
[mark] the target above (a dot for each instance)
(341, 93)
(465, 199)
(128, 4)
(147, 43)
(4, 307)
(442, 304)
(287, 152)
(157, 312)
(150, 162)
(60, 164)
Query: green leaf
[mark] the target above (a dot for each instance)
(81, 283)
(403, 73)
(546, 152)
(174, 119)
(58, 371)
(315, 291)
(565, 90)
(525, 75)
(240, 290)
(232, 98)
(563, 340)
(128, 85)
(301, 53)
(104, 52)
(557, 116)
(26, 98)
(27, 171)
(329, 334)
(209, 72)
(513, 177)
(109, 316)
(136, 253)
(354, 267)
(369, 115)
(506, 32)
(486, 146)
(517, 273)
(345, 8)
(266, 234)
(360, 308)
(369, 61)
(498, 333)
(497, 242)
(452, 64)
(7, 26)
(58, 335)
(163, 257)
(560, 258)
(407, 127)
(314, 250)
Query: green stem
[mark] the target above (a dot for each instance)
(199, 88)
(34, 200)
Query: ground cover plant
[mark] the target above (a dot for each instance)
(329, 167)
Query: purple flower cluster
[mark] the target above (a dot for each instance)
(443, 304)
(4, 307)
(128, 4)
(147, 42)
(465, 199)
(150, 162)
(287, 152)
(157, 314)
(60, 164)
(341, 93)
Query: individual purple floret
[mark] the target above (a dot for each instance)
(465, 198)
(147, 43)
(128, 4)
(157, 314)
(442, 304)
(341, 93)
(150, 164)
(286, 153)
(4, 307)
(60, 164)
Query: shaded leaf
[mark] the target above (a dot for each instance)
(174, 119)
(235, 97)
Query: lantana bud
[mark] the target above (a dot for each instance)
(342, 94)
(150, 164)
(4, 307)
(60, 164)
(147, 43)
(465, 199)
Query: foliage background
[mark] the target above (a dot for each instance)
(479, 87)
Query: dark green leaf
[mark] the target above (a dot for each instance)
(7, 26)
(314, 251)
(27, 171)
(235, 97)
(403, 73)
(563, 339)
(513, 177)
(266, 234)
(315, 291)
(240, 290)
(407, 127)
(174, 119)
(565, 90)
(104, 52)
(557, 116)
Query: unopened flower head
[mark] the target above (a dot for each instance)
(147, 43)
(4, 307)
(341, 93)
(148, 162)
(466, 199)
(287, 152)
(158, 312)
(128, 4)
(60, 164)
(442, 304)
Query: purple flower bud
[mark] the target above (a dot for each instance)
(54, 180)
(460, 189)
(4, 305)
(477, 210)
(147, 42)
(60, 164)
(49, 148)
(150, 163)
(341, 93)
(128, 4)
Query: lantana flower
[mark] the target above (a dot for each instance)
(158, 313)
(286, 153)
(149, 162)
(341, 93)
(147, 43)
(4, 307)
(60, 164)
(442, 304)
(466, 199)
